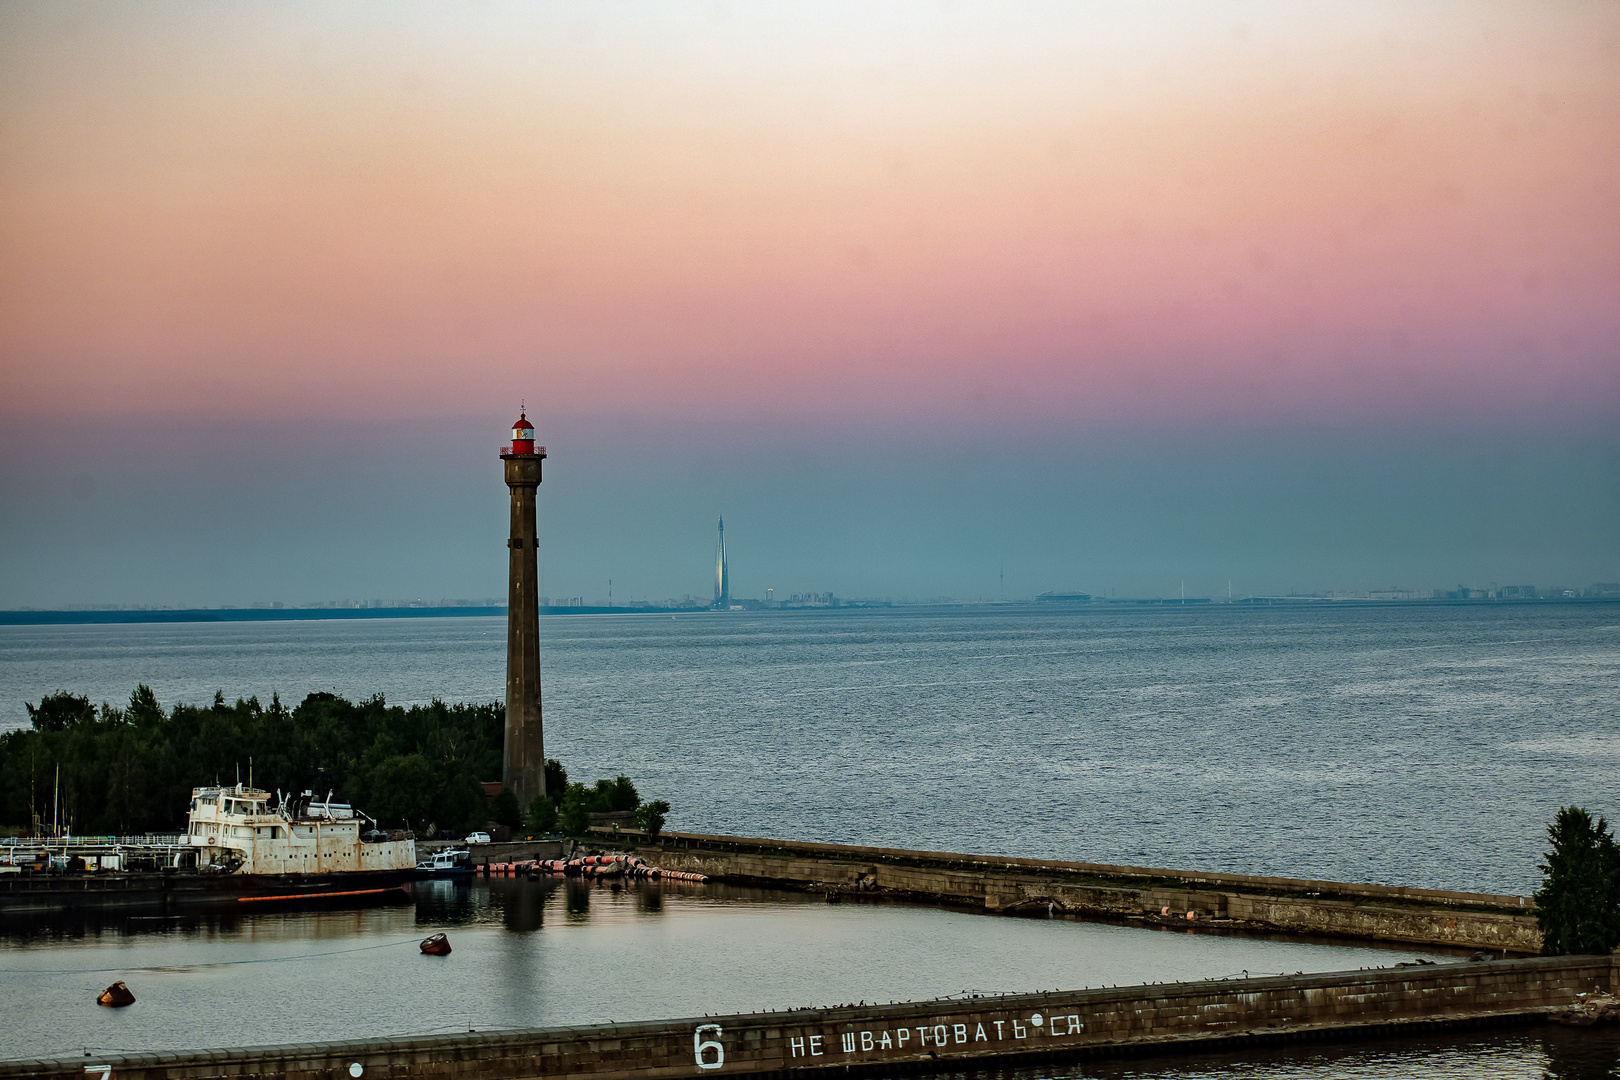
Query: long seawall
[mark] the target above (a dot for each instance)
(950, 1034)
(1463, 920)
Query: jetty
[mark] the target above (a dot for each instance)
(1502, 924)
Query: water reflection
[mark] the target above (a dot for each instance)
(1533, 1052)
(1581, 1053)
(577, 900)
(525, 906)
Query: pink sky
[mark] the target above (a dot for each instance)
(1040, 211)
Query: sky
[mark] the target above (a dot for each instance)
(968, 300)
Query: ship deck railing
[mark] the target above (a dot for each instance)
(30, 846)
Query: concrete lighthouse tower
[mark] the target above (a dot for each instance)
(523, 770)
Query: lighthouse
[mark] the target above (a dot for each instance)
(523, 769)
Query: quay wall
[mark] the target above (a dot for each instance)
(949, 1034)
(1504, 924)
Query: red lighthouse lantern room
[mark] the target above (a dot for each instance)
(523, 435)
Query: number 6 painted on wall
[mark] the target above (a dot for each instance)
(701, 1046)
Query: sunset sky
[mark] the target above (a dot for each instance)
(1101, 296)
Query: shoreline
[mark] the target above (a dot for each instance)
(122, 616)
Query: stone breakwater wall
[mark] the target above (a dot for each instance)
(1381, 912)
(950, 1034)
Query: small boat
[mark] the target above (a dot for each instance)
(437, 945)
(450, 864)
(118, 995)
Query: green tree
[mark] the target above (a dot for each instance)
(60, 711)
(402, 790)
(650, 817)
(621, 793)
(461, 804)
(556, 779)
(144, 710)
(131, 769)
(1578, 904)
(504, 809)
(542, 816)
(574, 815)
(126, 784)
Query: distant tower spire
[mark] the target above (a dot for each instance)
(722, 573)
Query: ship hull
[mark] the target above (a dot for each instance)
(35, 893)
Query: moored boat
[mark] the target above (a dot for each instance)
(289, 845)
(446, 864)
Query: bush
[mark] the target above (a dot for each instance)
(650, 817)
(1578, 904)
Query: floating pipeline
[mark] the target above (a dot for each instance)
(590, 866)
(947, 1034)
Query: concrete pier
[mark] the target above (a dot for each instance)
(946, 1034)
(1461, 920)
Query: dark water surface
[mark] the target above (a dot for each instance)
(567, 952)
(1521, 1053)
(1406, 745)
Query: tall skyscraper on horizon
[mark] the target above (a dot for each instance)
(722, 573)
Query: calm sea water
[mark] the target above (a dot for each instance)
(1422, 746)
(555, 952)
(1406, 745)
(552, 952)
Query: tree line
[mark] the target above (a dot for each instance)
(130, 770)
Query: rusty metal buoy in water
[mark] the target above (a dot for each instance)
(116, 996)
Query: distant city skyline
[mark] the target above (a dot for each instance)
(1591, 591)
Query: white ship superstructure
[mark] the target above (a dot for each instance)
(235, 830)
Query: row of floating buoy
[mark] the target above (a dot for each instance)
(508, 869)
(590, 866)
(630, 865)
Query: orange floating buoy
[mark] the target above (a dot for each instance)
(437, 945)
(116, 996)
